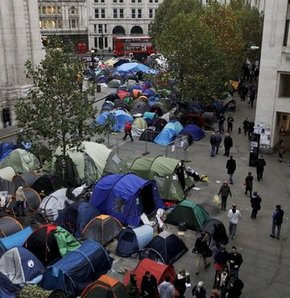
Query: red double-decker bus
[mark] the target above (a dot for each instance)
(136, 46)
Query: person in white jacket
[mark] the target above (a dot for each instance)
(234, 216)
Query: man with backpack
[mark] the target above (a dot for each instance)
(128, 131)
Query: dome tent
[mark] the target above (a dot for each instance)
(9, 226)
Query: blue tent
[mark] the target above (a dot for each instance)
(21, 266)
(77, 269)
(14, 240)
(7, 289)
(6, 149)
(195, 131)
(126, 197)
(135, 67)
(118, 116)
(168, 133)
(130, 241)
(75, 217)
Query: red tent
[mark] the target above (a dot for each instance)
(159, 270)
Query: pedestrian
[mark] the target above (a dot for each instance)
(224, 192)
(246, 126)
(244, 91)
(202, 251)
(235, 287)
(182, 278)
(20, 200)
(281, 150)
(235, 261)
(221, 258)
(252, 95)
(221, 121)
(255, 204)
(132, 288)
(128, 130)
(230, 121)
(249, 184)
(251, 129)
(277, 220)
(149, 286)
(234, 216)
(231, 167)
(221, 281)
(228, 144)
(166, 288)
(199, 291)
(213, 144)
(260, 164)
(219, 140)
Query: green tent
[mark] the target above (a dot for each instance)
(21, 161)
(170, 175)
(66, 241)
(189, 212)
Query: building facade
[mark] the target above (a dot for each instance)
(273, 102)
(20, 41)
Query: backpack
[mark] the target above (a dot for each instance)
(128, 127)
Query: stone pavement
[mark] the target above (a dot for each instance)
(266, 268)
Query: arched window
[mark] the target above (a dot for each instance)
(136, 30)
(119, 30)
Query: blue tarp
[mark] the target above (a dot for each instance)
(77, 269)
(135, 67)
(118, 116)
(6, 149)
(168, 133)
(196, 132)
(14, 240)
(126, 197)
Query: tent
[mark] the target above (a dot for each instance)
(102, 228)
(159, 124)
(194, 215)
(169, 174)
(5, 149)
(33, 199)
(14, 240)
(139, 106)
(159, 270)
(138, 126)
(105, 286)
(115, 83)
(165, 247)
(126, 197)
(132, 240)
(93, 161)
(168, 133)
(47, 184)
(135, 67)
(50, 242)
(7, 289)
(75, 217)
(77, 269)
(149, 134)
(107, 106)
(119, 118)
(21, 161)
(26, 179)
(7, 173)
(120, 104)
(195, 132)
(149, 115)
(9, 226)
(21, 266)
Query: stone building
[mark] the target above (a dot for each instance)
(20, 41)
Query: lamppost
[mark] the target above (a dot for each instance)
(93, 58)
(102, 43)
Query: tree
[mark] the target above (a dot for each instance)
(57, 110)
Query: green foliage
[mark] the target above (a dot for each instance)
(57, 111)
(205, 45)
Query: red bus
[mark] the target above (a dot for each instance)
(136, 46)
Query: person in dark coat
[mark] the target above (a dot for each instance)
(149, 286)
(246, 124)
(221, 121)
(277, 220)
(230, 121)
(132, 288)
(231, 167)
(228, 144)
(213, 144)
(221, 258)
(252, 95)
(202, 251)
(235, 287)
(260, 164)
(180, 283)
(255, 204)
(251, 129)
(235, 261)
(219, 140)
(199, 291)
(224, 192)
(249, 184)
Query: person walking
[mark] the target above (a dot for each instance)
(234, 216)
(166, 288)
(230, 121)
(249, 184)
(281, 150)
(221, 258)
(20, 200)
(252, 95)
(219, 140)
(149, 286)
(246, 126)
(255, 204)
(128, 131)
(181, 279)
(228, 144)
(224, 192)
(231, 167)
(202, 251)
(221, 121)
(235, 261)
(277, 220)
(213, 144)
(260, 164)
(199, 291)
(251, 129)
(132, 288)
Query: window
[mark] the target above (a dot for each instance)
(133, 13)
(103, 15)
(97, 14)
(115, 13)
(139, 13)
(284, 87)
(73, 23)
(150, 13)
(121, 13)
(95, 28)
(99, 1)
(133, 1)
(73, 10)
(286, 33)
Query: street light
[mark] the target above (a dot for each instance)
(93, 58)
